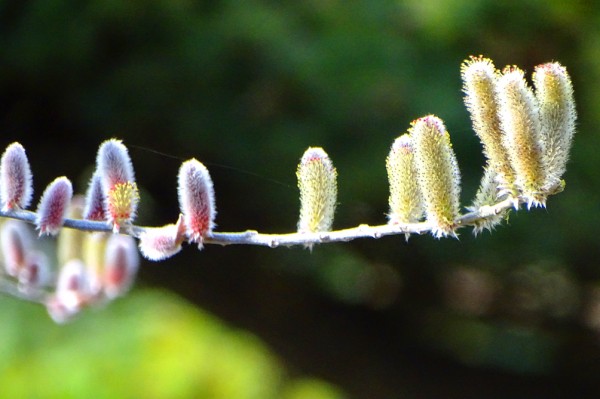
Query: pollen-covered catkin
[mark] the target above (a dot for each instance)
(520, 121)
(118, 183)
(554, 93)
(479, 85)
(438, 174)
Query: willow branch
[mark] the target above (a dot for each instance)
(253, 237)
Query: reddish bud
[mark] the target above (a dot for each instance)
(162, 242)
(15, 179)
(196, 200)
(53, 206)
(16, 242)
(35, 273)
(72, 292)
(95, 200)
(121, 265)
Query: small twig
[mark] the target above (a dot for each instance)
(252, 237)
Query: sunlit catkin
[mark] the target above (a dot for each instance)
(16, 186)
(520, 122)
(118, 182)
(159, 243)
(196, 200)
(53, 206)
(554, 93)
(317, 181)
(479, 85)
(438, 174)
(406, 204)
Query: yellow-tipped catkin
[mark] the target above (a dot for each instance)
(406, 204)
(554, 93)
(438, 174)
(520, 122)
(317, 181)
(479, 85)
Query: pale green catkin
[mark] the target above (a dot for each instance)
(519, 116)
(480, 78)
(405, 201)
(317, 181)
(554, 93)
(438, 174)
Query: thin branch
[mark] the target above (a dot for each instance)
(252, 237)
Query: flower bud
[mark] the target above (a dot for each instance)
(36, 272)
(95, 200)
(554, 93)
(16, 243)
(53, 206)
(72, 292)
(15, 179)
(317, 181)
(520, 122)
(162, 242)
(118, 182)
(479, 85)
(196, 200)
(406, 203)
(121, 265)
(486, 197)
(438, 174)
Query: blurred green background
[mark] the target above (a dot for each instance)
(246, 87)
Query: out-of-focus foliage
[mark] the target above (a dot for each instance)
(150, 345)
(246, 87)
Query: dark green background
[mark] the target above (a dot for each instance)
(246, 87)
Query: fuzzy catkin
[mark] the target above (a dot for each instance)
(317, 181)
(480, 79)
(405, 200)
(438, 174)
(522, 133)
(554, 93)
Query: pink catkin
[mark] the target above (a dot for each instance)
(196, 200)
(16, 242)
(114, 164)
(53, 206)
(72, 292)
(94, 200)
(121, 265)
(162, 242)
(15, 178)
(36, 272)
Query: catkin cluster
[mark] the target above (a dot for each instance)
(526, 132)
(91, 267)
(526, 135)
